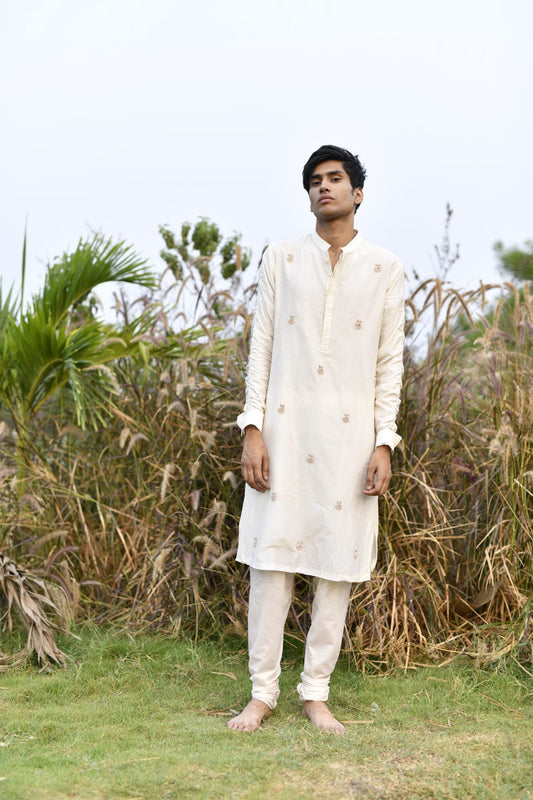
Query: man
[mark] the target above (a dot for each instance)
(322, 394)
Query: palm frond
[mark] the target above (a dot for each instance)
(46, 358)
(30, 597)
(42, 352)
(7, 309)
(75, 275)
(23, 267)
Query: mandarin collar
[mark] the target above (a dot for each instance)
(351, 247)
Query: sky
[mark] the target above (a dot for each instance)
(121, 115)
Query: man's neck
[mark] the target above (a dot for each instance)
(338, 232)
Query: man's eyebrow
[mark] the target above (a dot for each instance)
(331, 172)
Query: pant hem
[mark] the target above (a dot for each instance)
(305, 693)
(269, 701)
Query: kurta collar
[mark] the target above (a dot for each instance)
(351, 247)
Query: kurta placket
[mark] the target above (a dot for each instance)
(330, 297)
(323, 384)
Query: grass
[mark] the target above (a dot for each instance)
(143, 717)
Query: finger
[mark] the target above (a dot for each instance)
(248, 474)
(382, 484)
(265, 471)
(249, 469)
(385, 486)
(379, 488)
(257, 480)
(258, 470)
(370, 484)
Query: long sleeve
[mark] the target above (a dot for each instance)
(258, 371)
(389, 367)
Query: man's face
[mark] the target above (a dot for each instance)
(331, 193)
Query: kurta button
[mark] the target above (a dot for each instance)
(346, 418)
(274, 496)
(281, 408)
(255, 542)
(355, 553)
(299, 545)
(292, 319)
(320, 369)
(290, 258)
(378, 268)
(338, 505)
(310, 459)
(358, 324)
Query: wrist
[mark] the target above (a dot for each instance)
(251, 430)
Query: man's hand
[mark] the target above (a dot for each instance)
(379, 471)
(254, 459)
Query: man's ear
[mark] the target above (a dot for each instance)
(358, 196)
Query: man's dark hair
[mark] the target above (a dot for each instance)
(329, 152)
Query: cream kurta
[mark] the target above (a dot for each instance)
(323, 385)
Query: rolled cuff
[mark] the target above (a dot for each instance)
(388, 437)
(313, 690)
(251, 417)
(267, 694)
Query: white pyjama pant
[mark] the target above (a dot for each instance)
(269, 602)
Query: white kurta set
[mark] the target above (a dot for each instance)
(323, 386)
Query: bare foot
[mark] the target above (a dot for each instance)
(321, 717)
(250, 717)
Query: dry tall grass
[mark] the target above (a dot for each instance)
(145, 513)
(456, 553)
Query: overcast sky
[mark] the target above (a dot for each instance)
(121, 115)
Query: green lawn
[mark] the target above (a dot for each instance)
(144, 718)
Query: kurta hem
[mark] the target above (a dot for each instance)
(311, 573)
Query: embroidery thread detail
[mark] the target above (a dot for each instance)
(281, 408)
(358, 324)
(290, 258)
(292, 319)
(338, 505)
(310, 459)
(378, 268)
